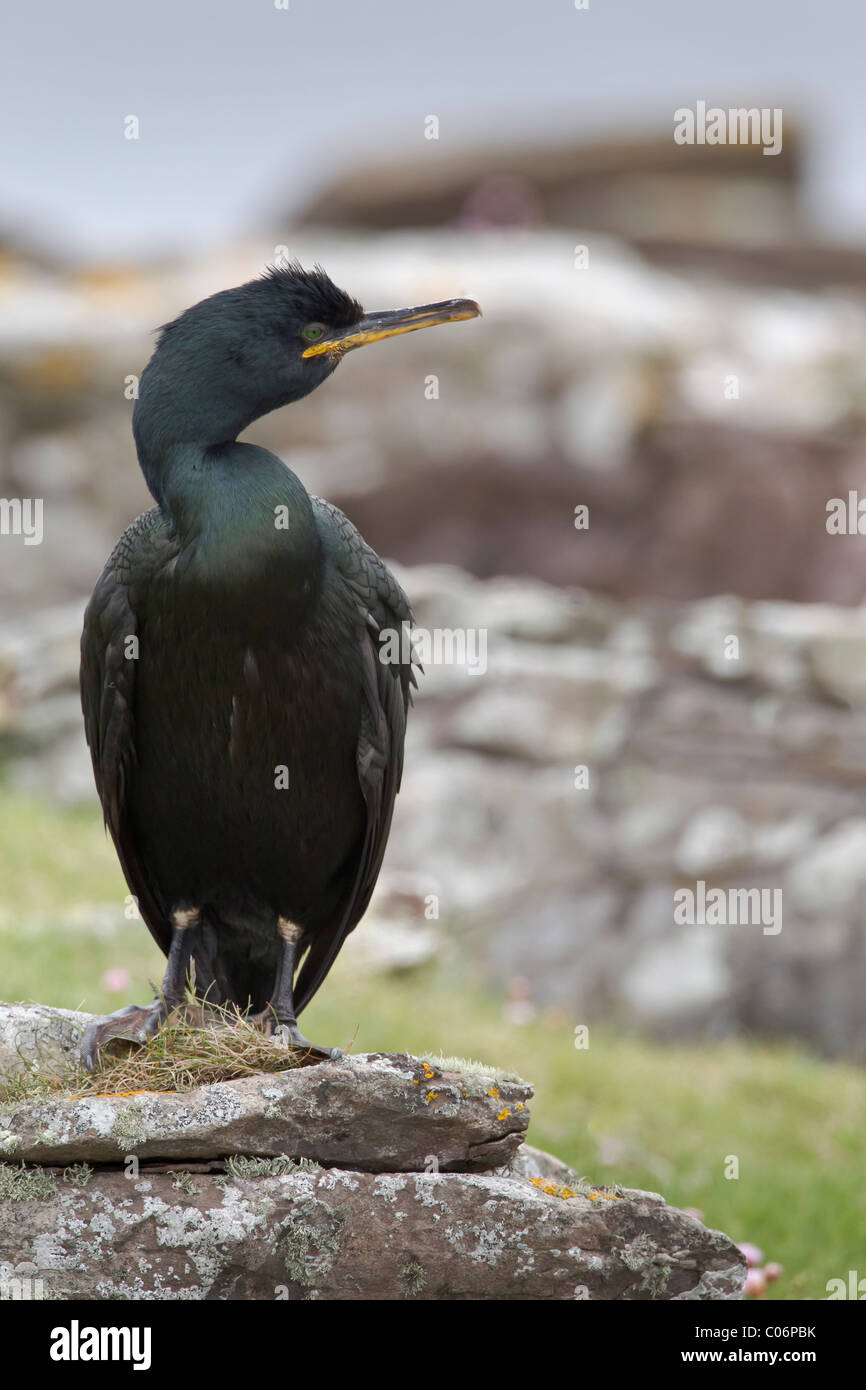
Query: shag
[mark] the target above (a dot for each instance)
(246, 737)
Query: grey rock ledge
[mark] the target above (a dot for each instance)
(412, 1184)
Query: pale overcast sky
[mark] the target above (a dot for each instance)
(244, 107)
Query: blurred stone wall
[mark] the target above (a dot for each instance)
(705, 425)
(614, 753)
(606, 756)
(608, 648)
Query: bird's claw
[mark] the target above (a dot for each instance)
(135, 1023)
(289, 1035)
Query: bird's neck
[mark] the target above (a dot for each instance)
(175, 433)
(244, 521)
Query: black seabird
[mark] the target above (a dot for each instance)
(247, 742)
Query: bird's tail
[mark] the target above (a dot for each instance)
(236, 957)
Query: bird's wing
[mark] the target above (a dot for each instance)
(387, 694)
(108, 666)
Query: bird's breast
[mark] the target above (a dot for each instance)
(246, 739)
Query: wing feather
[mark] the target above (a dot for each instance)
(107, 680)
(386, 696)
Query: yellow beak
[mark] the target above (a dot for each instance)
(389, 323)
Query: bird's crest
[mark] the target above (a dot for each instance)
(316, 291)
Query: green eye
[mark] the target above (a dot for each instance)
(313, 332)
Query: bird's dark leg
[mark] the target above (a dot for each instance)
(137, 1022)
(184, 922)
(283, 1004)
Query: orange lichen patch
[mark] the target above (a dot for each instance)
(552, 1189)
(520, 1105)
(494, 1093)
(115, 1095)
(504, 1113)
(415, 1081)
(431, 1095)
(427, 1070)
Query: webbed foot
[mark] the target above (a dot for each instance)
(135, 1023)
(290, 1035)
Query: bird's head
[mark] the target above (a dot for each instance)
(244, 352)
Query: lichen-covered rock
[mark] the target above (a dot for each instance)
(36, 1034)
(379, 1112)
(337, 1234)
(372, 1177)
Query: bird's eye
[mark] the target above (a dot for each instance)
(313, 332)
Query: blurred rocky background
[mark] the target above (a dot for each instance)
(618, 479)
(620, 475)
(665, 344)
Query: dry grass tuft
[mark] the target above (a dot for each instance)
(194, 1049)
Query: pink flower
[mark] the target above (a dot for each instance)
(116, 980)
(756, 1284)
(753, 1255)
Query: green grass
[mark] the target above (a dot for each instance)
(622, 1111)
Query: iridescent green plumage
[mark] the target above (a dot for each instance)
(247, 741)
